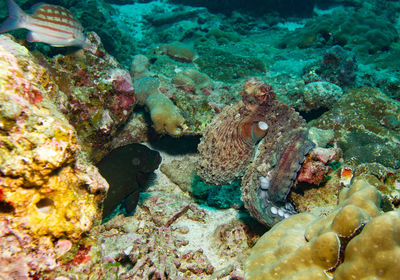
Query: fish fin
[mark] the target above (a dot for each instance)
(36, 6)
(130, 202)
(16, 19)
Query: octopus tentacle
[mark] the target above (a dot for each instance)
(270, 176)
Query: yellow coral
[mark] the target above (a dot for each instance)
(306, 246)
(46, 187)
(165, 115)
(375, 253)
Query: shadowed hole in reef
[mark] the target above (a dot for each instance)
(6, 207)
(45, 204)
(186, 144)
(313, 114)
(302, 187)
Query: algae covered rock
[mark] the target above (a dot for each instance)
(227, 67)
(361, 31)
(320, 94)
(48, 190)
(366, 126)
(95, 93)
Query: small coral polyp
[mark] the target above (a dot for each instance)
(229, 144)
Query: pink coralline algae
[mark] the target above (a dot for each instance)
(229, 144)
(95, 93)
(314, 170)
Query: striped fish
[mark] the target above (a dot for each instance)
(49, 24)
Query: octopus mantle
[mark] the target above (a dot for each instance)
(267, 160)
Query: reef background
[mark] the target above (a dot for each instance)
(159, 72)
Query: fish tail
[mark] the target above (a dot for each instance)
(17, 17)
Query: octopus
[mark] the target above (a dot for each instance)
(262, 141)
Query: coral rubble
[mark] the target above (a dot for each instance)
(169, 237)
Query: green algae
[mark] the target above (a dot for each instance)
(227, 67)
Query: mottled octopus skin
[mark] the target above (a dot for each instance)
(228, 144)
(228, 148)
(279, 158)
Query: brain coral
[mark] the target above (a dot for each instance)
(355, 241)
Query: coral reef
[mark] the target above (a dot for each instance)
(48, 190)
(338, 66)
(315, 169)
(95, 94)
(306, 246)
(320, 95)
(177, 52)
(156, 240)
(165, 115)
(377, 245)
(140, 67)
(362, 31)
(100, 17)
(320, 137)
(192, 80)
(223, 37)
(225, 66)
(362, 121)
